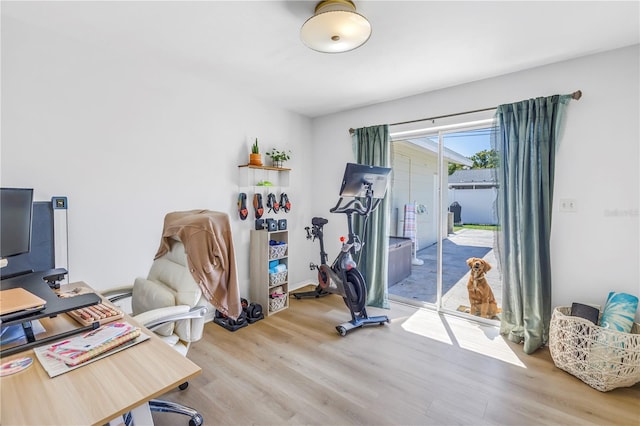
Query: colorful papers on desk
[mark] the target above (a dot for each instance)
(94, 339)
(55, 367)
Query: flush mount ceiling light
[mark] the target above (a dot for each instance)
(335, 27)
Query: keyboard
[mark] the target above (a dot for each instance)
(101, 313)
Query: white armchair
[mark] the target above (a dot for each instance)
(170, 303)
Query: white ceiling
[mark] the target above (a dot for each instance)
(415, 46)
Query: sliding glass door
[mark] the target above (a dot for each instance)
(443, 193)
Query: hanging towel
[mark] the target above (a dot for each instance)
(409, 229)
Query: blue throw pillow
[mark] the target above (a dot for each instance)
(619, 312)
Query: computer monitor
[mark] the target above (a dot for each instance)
(356, 176)
(16, 213)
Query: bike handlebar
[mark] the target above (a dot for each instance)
(355, 206)
(358, 208)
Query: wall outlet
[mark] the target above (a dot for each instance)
(568, 205)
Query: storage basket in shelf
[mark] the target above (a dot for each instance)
(277, 303)
(602, 358)
(277, 278)
(276, 252)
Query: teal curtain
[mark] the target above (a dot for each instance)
(371, 146)
(525, 137)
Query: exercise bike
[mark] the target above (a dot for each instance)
(342, 276)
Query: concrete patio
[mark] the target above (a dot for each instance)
(420, 286)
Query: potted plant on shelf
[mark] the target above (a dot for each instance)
(255, 159)
(278, 157)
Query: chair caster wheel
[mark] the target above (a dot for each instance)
(183, 386)
(196, 421)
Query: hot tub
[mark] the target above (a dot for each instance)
(399, 259)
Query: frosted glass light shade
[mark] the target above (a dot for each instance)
(335, 27)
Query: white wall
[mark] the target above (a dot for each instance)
(595, 249)
(129, 140)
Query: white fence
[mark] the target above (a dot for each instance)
(477, 205)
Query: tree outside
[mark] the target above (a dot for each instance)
(485, 159)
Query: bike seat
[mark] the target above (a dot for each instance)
(319, 221)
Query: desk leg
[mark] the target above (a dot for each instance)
(140, 416)
(28, 331)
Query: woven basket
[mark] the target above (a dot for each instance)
(602, 358)
(277, 303)
(276, 252)
(277, 278)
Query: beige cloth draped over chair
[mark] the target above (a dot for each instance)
(208, 242)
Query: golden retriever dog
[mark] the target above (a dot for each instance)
(481, 297)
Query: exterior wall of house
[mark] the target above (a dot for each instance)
(414, 181)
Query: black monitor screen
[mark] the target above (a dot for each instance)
(357, 175)
(15, 221)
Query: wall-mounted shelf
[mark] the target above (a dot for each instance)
(277, 169)
(249, 176)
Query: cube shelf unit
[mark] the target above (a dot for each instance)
(261, 284)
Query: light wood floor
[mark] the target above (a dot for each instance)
(421, 369)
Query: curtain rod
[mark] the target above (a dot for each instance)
(575, 95)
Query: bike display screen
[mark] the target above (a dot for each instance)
(357, 176)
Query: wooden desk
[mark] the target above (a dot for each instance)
(95, 393)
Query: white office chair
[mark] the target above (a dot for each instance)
(170, 303)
